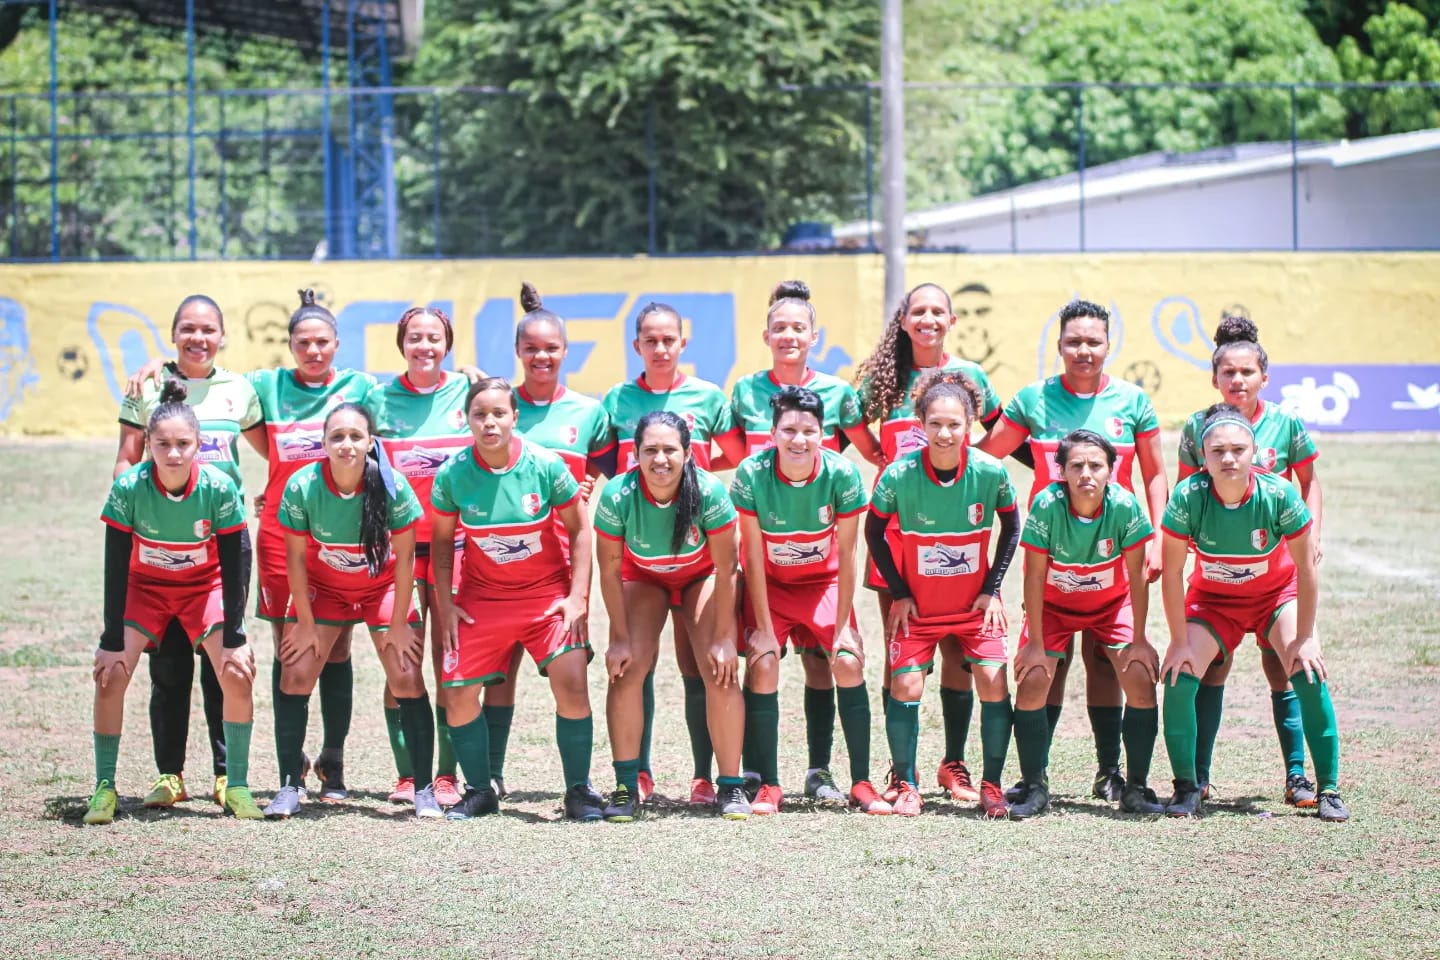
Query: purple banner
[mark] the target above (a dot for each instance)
(1359, 396)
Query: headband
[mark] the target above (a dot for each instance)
(1224, 419)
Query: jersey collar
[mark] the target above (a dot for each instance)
(174, 367)
(645, 489)
(295, 375)
(945, 359)
(189, 484)
(780, 474)
(1070, 504)
(525, 396)
(679, 379)
(1249, 492)
(408, 385)
(516, 448)
(804, 381)
(329, 477)
(1259, 410)
(930, 468)
(1104, 382)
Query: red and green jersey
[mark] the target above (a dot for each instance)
(173, 536)
(944, 528)
(902, 433)
(753, 416)
(1085, 556)
(1047, 410)
(508, 517)
(294, 415)
(1240, 551)
(572, 425)
(420, 430)
(225, 404)
(333, 555)
(1281, 442)
(628, 513)
(700, 403)
(797, 520)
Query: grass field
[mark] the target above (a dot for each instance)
(1253, 878)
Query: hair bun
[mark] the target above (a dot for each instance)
(1235, 328)
(307, 297)
(530, 297)
(174, 390)
(790, 290)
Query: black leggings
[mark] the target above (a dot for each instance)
(172, 674)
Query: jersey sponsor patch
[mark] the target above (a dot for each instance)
(343, 559)
(794, 553)
(298, 446)
(1233, 572)
(509, 548)
(946, 560)
(1075, 581)
(172, 557)
(909, 440)
(420, 461)
(214, 447)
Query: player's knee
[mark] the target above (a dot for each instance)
(847, 671)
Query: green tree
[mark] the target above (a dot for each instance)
(1398, 45)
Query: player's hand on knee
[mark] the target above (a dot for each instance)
(724, 664)
(1179, 658)
(762, 643)
(107, 662)
(300, 641)
(1143, 656)
(1306, 656)
(847, 641)
(572, 611)
(617, 657)
(238, 660)
(1030, 658)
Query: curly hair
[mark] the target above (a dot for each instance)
(1236, 330)
(887, 370)
(947, 383)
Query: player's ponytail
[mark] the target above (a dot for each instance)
(1239, 331)
(687, 498)
(535, 312)
(791, 291)
(173, 406)
(376, 489)
(310, 309)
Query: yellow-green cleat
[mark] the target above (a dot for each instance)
(168, 790)
(102, 805)
(239, 802)
(221, 782)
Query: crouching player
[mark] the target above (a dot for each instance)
(800, 507)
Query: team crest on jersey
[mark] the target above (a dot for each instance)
(1265, 459)
(1106, 547)
(570, 436)
(1115, 427)
(692, 536)
(455, 418)
(452, 661)
(530, 503)
(690, 420)
(975, 512)
(343, 560)
(894, 650)
(202, 529)
(827, 513)
(944, 560)
(1260, 539)
(503, 549)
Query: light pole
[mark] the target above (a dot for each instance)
(892, 151)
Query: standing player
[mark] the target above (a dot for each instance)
(421, 425)
(666, 540)
(226, 407)
(1254, 573)
(912, 345)
(800, 508)
(173, 552)
(350, 555)
(517, 585)
(1239, 370)
(1084, 573)
(944, 497)
(659, 341)
(790, 333)
(1085, 398)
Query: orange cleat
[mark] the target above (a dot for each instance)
(404, 791)
(908, 803)
(447, 791)
(954, 776)
(702, 792)
(992, 801)
(645, 788)
(767, 801)
(864, 796)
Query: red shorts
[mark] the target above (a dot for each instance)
(200, 608)
(1112, 627)
(272, 600)
(1229, 620)
(423, 568)
(485, 646)
(803, 614)
(674, 584)
(374, 608)
(873, 579)
(916, 650)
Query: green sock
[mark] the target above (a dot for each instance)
(647, 699)
(444, 751)
(885, 701)
(499, 720)
(1285, 707)
(1052, 717)
(237, 753)
(1105, 725)
(403, 767)
(902, 729)
(762, 728)
(819, 726)
(337, 701)
(627, 774)
(275, 670)
(1032, 736)
(723, 782)
(698, 725)
(1141, 727)
(956, 706)
(107, 755)
(575, 738)
(854, 707)
(996, 719)
(1209, 705)
(1180, 725)
(472, 749)
(418, 719)
(1321, 733)
(292, 716)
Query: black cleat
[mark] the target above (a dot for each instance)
(1299, 792)
(475, 803)
(1108, 784)
(330, 768)
(1332, 810)
(1187, 800)
(582, 803)
(1016, 794)
(1138, 798)
(1035, 802)
(497, 783)
(731, 803)
(623, 805)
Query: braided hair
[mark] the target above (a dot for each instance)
(887, 370)
(687, 498)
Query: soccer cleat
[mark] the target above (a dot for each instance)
(702, 792)
(241, 803)
(103, 802)
(954, 776)
(1187, 800)
(892, 786)
(1205, 790)
(644, 787)
(1108, 784)
(498, 785)
(330, 768)
(622, 807)
(1332, 809)
(475, 803)
(404, 791)
(217, 791)
(1299, 792)
(582, 803)
(753, 783)
(447, 791)
(1035, 802)
(285, 804)
(1016, 793)
(731, 801)
(864, 796)
(820, 785)
(767, 801)
(426, 806)
(992, 800)
(1138, 798)
(907, 801)
(169, 789)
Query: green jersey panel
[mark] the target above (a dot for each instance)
(628, 513)
(751, 402)
(797, 520)
(700, 403)
(420, 430)
(1085, 556)
(572, 425)
(333, 556)
(173, 536)
(1239, 550)
(1281, 442)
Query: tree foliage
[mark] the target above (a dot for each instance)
(1398, 45)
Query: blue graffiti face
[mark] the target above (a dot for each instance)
(124, 339)
(17, 367)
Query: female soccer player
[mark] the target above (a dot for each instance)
(173, 552)
(790, 333)
(800, 508)
(659, 341)
(1239, 370)
(912, 345)
(226, 407)
(667, 539)
(350, 554)
(1254, 573)
(1084, 397)
(945, 497)
(421, 425)
(1084, 573)
(517, 585)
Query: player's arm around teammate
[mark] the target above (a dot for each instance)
(173, 551)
